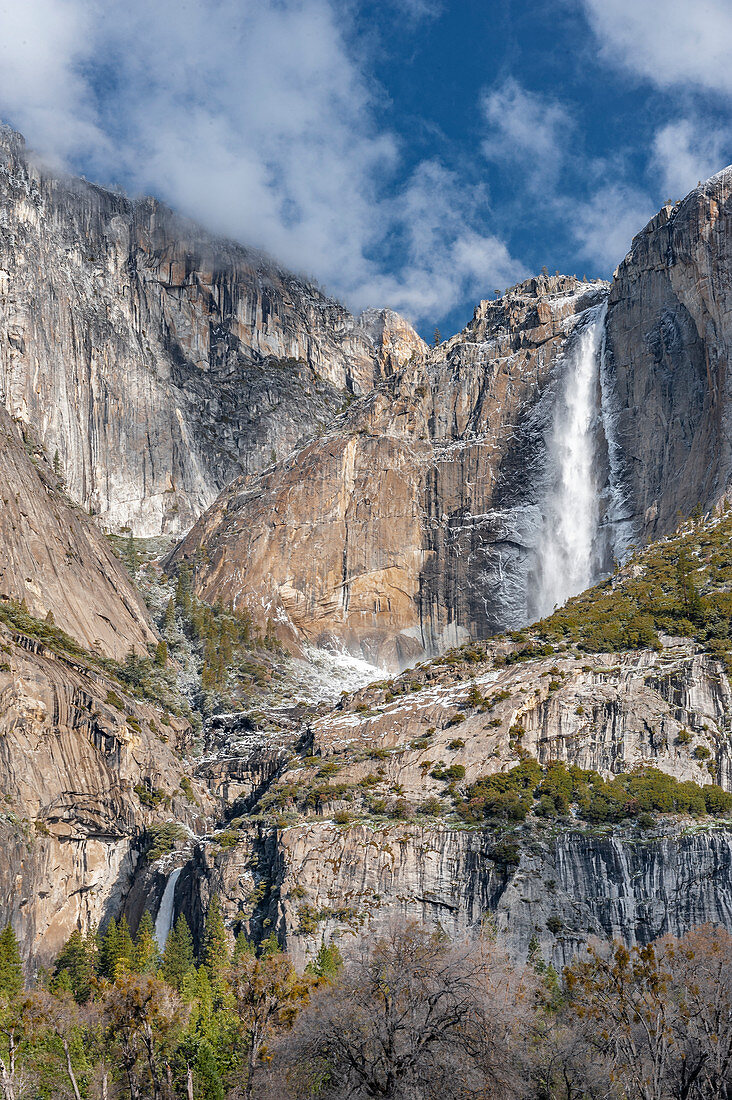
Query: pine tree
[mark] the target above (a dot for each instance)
(75, 966)
(117, 951)
(108, 952)
(178, 954)
(146, 956)
(169, 619)
(327, 964)
(11, 967)
(207, 1079)
(215, 944)
(243, 946)
(183, 590)
(436, 338)
(125, 948)
(161, 653)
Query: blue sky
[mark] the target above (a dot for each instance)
(412, 153)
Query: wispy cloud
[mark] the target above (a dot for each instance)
(688, 150)
(256, 117)
(536, 138)
(605, 222)
(527, 129)
(667, 42)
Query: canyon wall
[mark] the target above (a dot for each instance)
(413, 522)
(668, 346)
(158, 361)
(85, 771)
(54, 557)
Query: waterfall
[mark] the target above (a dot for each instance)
(567, 560)
(164, 919)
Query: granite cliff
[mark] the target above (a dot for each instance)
(158, 361)
(55, 558)
(413, 522)
(668, 344)
(360, 491)
(451, 542)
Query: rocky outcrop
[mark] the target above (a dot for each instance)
(609, 713)
(160, 362)
(566, 889)
(84, 770)
(413, 522)
(668, 346)
(558, 881)
(55, 558)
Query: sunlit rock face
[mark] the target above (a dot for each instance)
(161, 362)
(53, 556)
(77, 757)
(416, 520)
(565, 881)
(668, 347)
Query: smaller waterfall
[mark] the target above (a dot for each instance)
(164, 919)
(566, 557)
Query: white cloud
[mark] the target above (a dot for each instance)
(604, 224)
(668, 42)
(527, 129)
(686, 151)
(416, 10)
(255, 117)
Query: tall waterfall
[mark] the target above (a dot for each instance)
(567, 561)
(164, 919)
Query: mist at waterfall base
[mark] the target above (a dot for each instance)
(581, 531)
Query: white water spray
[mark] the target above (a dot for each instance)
(566, 554)
(164, 919)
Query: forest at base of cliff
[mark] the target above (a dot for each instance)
(412, 1016)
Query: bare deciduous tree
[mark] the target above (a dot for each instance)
(415, 1019)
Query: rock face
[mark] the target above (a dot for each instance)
(565, 890)
(84, 771)
(413, 522)
(314, 879)
(55, 558)
(668, 346)
(158, 361)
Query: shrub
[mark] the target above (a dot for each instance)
(506, 852)
(431, 807)
(401, 810)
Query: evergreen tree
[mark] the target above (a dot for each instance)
(161, 653)
(125, 946)
(243, 946)
(75, 966)
(215, 944)
(178, 954)
(108, 950)
(183, 590)
(11, 967)
(207, 1079)
(118, 950)
(327, 964)
(437, 338)
(169, 619)
(146, 957)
